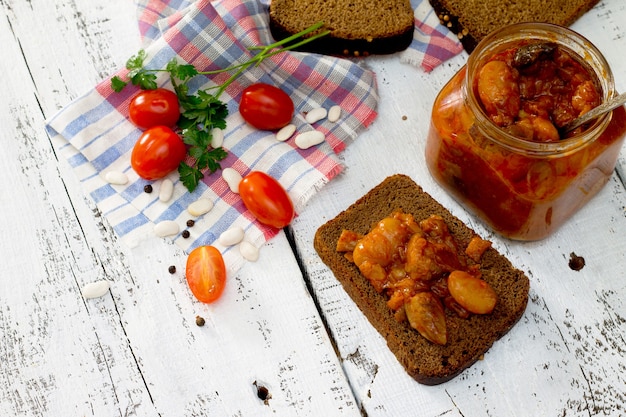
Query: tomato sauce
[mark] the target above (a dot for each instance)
(533, 95)
(522, 194)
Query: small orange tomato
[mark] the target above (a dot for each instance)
(206, 273)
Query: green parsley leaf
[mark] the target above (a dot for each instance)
(190, 177)
(117, 84)
(211, 159)
(196, 152)
(181, 71)
(145, 80)
(195, 137)
(136, 61)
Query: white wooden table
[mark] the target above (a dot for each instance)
(284, 323)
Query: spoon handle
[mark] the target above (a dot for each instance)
(605, 107)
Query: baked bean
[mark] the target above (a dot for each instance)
(499, 92)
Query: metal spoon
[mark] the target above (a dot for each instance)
(603, 108)
(530, 53)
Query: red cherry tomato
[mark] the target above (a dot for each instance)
(153, 108)
(266, 107)
(206, 273)
(158, 151)
(266, 199)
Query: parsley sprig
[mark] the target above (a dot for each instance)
(203, 110)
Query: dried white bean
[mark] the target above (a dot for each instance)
(232, 178)
(231, 236)
(217, 137)
(95, 289)
(334, 113)
(200, 206)
(311, 138)
(316, 115)
(166, 190)
(166, 228)
(249, 251)
(116, 177)
(286, 132)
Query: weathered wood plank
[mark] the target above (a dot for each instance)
(137, 350)
(566, 356)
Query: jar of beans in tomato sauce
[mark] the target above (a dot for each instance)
(496, 142)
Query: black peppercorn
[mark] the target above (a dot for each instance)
(185, 234)
(172, 269)
(190, 223)
(147, 188)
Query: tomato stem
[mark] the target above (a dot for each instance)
(267, 51)
(300, 34)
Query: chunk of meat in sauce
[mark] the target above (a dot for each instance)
(426, 315)
(476, 247)
(347, 241)
(431, 256)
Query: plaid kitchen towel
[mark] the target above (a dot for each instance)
(432, 42)
(95, 136)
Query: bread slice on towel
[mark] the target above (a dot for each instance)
(472, 20)
(357, 27)
(468, 339)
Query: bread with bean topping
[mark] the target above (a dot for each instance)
(357, 27)
(468, 339)
(472, 20)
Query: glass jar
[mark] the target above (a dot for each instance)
(521, 188)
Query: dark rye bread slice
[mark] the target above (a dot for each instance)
(357, 27)
(468, 339)
(472, 20)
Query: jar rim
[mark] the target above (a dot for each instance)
(577, 44)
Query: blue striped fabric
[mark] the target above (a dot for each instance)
(95, 136)
(432, 42)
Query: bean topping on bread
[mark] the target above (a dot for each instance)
(467, 338)
(404, 259)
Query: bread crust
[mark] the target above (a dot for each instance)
(351, 33)
(468, 339)
(471, 21)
